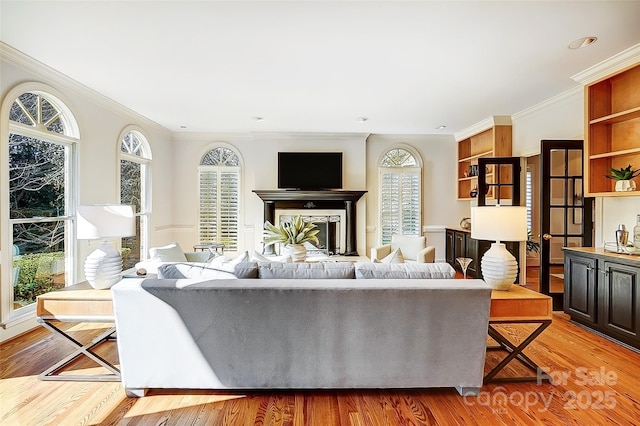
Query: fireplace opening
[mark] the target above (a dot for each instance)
(329, 237)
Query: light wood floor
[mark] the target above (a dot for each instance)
(598, 383)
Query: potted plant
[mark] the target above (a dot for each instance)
(293, 235)
(532, 245)
(623, 178)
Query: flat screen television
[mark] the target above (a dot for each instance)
(310, 170)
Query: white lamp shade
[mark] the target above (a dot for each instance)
(499, 223)
(106, 221)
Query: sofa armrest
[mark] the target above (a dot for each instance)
(197, 256)
(380, 252)
(427, 255)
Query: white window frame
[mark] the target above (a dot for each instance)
(399, 171)
(218, 169)
(141, 155)
(9, 316)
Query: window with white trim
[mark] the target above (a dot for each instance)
(135, 176)
(219, 188)
(40, 155)
(400, 194)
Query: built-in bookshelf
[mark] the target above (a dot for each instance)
(493, 142)
(612, 129)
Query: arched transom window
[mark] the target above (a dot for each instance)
(400, 194)
(219, 188)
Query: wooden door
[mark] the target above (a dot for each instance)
(565, 215)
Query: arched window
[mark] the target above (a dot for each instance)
(40, 158)
(135, 176)
(400, 193)
(219, 185)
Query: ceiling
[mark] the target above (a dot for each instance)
(303, 66)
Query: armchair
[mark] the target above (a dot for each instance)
(413, 248)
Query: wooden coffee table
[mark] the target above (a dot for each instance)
(78, 303)
(519, 305)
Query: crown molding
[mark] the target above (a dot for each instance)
(487, 123)
(308, 136)
(62, 82)
(618, 62)
(544, 105)
(212, 136)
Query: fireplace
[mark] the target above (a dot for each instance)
(310, 202)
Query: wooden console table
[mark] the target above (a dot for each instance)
(519, 305)
(78, 303)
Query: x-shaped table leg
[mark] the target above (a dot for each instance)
(86, 350)
(516, 352)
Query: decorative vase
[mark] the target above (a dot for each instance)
(625, 185)
(298, 252)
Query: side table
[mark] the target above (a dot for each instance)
(212, 247)
(518, 305)
(78, 303)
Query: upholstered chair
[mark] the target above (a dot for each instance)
(413, 248)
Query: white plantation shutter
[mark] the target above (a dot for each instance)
(219, 186)
(400, 194)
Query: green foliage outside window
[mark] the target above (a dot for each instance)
(37, 276)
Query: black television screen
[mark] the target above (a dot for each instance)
(310, 170)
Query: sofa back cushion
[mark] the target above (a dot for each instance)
(204, 271)
(368, 270)
(323, 270)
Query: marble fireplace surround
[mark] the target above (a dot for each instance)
(283, 199)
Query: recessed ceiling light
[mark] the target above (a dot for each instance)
(440, 127)
(362, 119)
(582, 42)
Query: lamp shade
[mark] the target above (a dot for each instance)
(499, 223)
(106, 221)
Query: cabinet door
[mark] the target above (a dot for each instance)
(449, 253)
(471, 247)
(580, 288)
(621, 302)
(459, 248)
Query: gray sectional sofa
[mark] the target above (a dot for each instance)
(302, 326)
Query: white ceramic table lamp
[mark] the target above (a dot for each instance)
(103, 266)
(499, 223)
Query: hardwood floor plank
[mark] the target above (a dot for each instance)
(596, 384)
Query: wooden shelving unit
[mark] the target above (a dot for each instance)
(493, 142)
(612, 133)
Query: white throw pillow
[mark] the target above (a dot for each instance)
(223, 263)
(169, 253)
(394, 257)
(257, 257)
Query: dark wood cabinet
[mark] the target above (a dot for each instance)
(580, 295)
(602, 291)
(460, 244)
